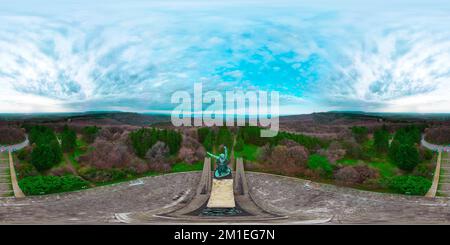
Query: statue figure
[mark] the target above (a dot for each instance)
(222, 169)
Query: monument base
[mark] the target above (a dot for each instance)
(222, 194)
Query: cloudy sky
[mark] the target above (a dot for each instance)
(133, 55)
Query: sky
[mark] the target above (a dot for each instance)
(70, 56)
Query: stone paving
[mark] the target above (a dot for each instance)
(282, 195)
(444, 179)
(293, 197)
(5, 182)
(98, 205)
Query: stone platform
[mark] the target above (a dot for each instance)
(222, 194)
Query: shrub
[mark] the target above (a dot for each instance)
(355, 174)
(157, 157)
(40, 185)
(320, 163)
(11, 135)
(106, 154)
(311, 143)
(104, 175)
(410, 185)
(25, 154)
(26, 170)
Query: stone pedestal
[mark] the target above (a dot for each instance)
(222, 194)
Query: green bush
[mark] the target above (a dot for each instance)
(104, 175)
(24, 154)
(410, 185)
(320, 163)
(40, 185)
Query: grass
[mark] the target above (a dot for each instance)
(185, 167)
(249, 152)
(386, 169)
(348, 162)
(80, 149)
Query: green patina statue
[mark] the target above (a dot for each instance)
(222, 169)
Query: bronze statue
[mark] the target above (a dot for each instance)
(222, 169)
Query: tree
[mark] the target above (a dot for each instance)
(405, 157)
(89, 133)
(202, 133)
(209, 142)
(381, 140)
(45, 157)
(408, 135)
(143, 139)
(359, 133)
(224, 137)
(239, 146)
(157, 156)
(68, 139)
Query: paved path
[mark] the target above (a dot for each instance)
(283, 195)
(434, 147)
(444, 180)
(5, 180)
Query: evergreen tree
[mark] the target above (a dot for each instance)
(239, 146)
(381, 140)
(224, 137)
(209, 141)
(68, 139)
(202, 133)
(404, 156)
(359, 133)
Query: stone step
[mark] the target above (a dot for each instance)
(444, 186)
(443, 193)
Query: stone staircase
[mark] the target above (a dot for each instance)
(444, 180)
(5, 180)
